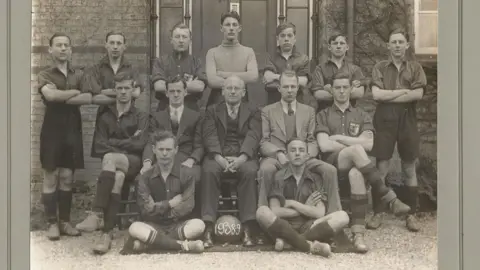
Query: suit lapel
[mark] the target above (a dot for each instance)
(278, 114)
(222, 114)
(244, 112)
(300, 116)
(183, 121)
(163, 119)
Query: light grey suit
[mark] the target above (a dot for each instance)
(274, 139)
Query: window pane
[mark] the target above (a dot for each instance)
(297, 3)
(428, 30)
(300, 18)
(428, 5)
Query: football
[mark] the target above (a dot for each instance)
(228, 229)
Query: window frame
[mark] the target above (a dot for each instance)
(418, 49)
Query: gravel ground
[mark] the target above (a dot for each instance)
(392, 248)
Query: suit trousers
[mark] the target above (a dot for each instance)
(212, 175)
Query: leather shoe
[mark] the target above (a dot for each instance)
(247, 239)
(207, 239)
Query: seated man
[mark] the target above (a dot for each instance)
(282, 121)
(119, 142)
(345, 134)
(231, 133)
(165, 196)
(297, 206)
(186, 125)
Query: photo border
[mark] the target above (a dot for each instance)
(17, 107)
(15, 51)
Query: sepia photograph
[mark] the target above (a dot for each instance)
(250, 134)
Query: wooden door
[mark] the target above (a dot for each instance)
(258, 18)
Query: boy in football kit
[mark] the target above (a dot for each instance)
(165, 196)
(297, 206)
(323, 75)
(61, 144)
(397, 84)
(345, 134)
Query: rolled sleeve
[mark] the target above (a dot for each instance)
(200, 70)
(377, 76)
(269, 65)
(419, 79)
(277, 192)
(367, 122)
(322, 123)
(357, 75)
(158, 70)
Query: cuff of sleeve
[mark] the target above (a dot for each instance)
(280, 198)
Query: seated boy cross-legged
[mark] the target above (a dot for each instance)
(345, 134)
(165, 196)
(297, 206)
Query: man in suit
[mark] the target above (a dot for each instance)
(231, 134)
(282, 121)
(185, 123)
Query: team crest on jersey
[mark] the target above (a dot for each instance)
(354, 129)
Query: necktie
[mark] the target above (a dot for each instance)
(174, 116)
(233, 113)
(290, 110)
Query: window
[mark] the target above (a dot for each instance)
(299, 13)
(426, 26)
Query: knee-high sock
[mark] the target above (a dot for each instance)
(106, 180)
(64, 205)
(412, 198)
(110, 215)
(50, 204)
(358, 205)
(321, 232)
(372, 175)
(282, 229)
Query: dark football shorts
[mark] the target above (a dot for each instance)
(396, 126)
(134, 167)
(59, 155)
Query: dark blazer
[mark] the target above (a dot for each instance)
(249, 131)
(189, 134)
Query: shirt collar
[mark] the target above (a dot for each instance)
(182, 55)
(235, 108)
(69, 67)
(285, 105)
(179, 109)
(157, 172)
(333, 63)
(295, 52)
(335, 107)
(390, 60)
(106, 61)
(113, 108)
(289, 173)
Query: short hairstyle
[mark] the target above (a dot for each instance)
(231, 14)
(124, 76)
(162, 135)
(294, 139)
(114, 33)
(335, 36)
(288, 73)
(180, 25)
(58, 34)
(176, 79)
(399, 30)
(284, 26)
(341, 76)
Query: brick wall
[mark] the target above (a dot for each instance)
(87, 22)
